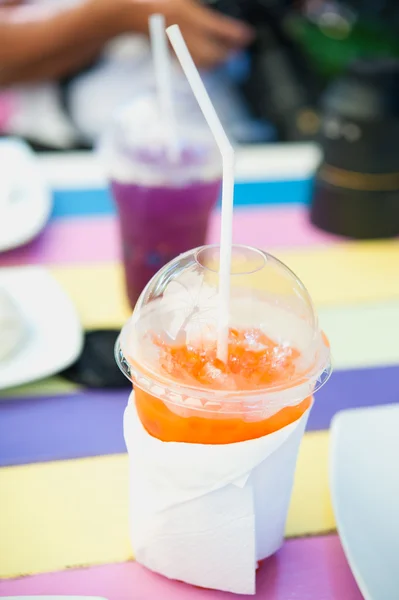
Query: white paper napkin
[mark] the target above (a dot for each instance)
(205, 514)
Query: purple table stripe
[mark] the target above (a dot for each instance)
(95, 240)
(90, 423)
(305, 569)
(354, 389)
(61, 427)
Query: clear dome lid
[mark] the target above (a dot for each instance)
(135, 145)
(277, 353)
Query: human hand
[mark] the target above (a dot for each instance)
(209, 35)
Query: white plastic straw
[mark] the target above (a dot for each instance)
(227, 151)
(163, 79)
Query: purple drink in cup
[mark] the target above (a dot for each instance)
(163, 204)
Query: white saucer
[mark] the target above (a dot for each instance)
(25, 202)
(55, 337)
(364, 478)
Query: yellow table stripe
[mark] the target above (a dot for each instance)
(98, 293)
(59, 515)
(311, 509)
(348, 273)
(342, 274)
(66, 514)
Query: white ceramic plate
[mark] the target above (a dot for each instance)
(25, 201)
(364, 478)
(54, 339)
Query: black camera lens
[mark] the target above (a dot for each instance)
(356, 192)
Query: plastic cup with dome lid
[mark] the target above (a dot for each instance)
(277, 355)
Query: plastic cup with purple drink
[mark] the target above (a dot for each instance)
(163, 202)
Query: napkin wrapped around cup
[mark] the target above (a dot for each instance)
(206, 514)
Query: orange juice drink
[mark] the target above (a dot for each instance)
(248, 368)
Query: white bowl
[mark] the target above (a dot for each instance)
(54, 338)
(25, 201)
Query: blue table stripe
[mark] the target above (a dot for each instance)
(82, 203)
(87, 202)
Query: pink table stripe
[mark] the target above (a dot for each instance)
(94, 240)
(69, 241)
(273, 227)
(306, 569)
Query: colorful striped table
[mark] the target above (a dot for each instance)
(63, 467)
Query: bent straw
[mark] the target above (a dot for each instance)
(227, 152)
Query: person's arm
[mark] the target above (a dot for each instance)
(36, 44)
(52, 67)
